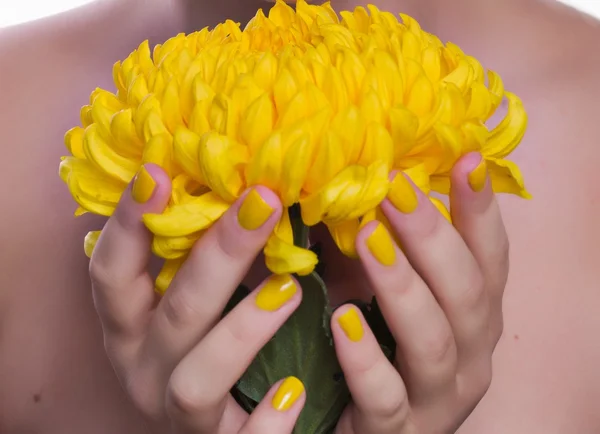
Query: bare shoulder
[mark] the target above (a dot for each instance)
(545, 375)
(54, 375)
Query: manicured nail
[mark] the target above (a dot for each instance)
(478, 177)
(254, 212)
(402, 194)
(143, 186)
(276, 292)
(288, 393)
(381, 245)
(351, 324)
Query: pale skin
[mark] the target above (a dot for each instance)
(55, 376)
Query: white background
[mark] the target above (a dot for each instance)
(14, 11)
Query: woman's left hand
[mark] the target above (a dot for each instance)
(441, 296)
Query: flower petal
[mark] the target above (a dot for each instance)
(222, 162)
(506, 177)
(282, 256)
(187, 218)
(509, 133)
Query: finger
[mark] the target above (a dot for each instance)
(123, 291)
(426, 352)
(279, 410)
(201, 382)
(477, 217)
(216, 266)
(438, 253)
(377, 390)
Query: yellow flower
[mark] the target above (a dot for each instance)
(318, 107)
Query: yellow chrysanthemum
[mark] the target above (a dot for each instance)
(318, 108)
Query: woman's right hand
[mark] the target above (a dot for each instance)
(176, 358)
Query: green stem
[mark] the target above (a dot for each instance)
(299, 229)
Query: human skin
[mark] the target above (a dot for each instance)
(54, 375)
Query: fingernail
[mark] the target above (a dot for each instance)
(381, 245)
(254, 212)
(403, 195)
(143, 186)
(288, 393)
(276, 292)
(478, 177)
(351, 324)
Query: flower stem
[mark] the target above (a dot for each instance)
(299, 229)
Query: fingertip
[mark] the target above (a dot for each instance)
(470, 173)
(288, 393)
(350, 321)
(256, 207)
(150, 188)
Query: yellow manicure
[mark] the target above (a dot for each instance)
(351, 324)
(254, 212)
(288, 393)
(143, 186)
(381, 245)
(478, 177)
(276, 292)
(403, 195)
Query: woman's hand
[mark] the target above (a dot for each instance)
(176, 357)
(441, 296)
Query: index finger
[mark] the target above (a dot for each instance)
(123, 290)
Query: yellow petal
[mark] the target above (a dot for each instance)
(344, 235)
(222, 162)
(186, 149)
(420, 177)
(403, 126)
(74, 142)
(257, 123)
(159, 151)
(378, 146)
(167, 274)
(353, 192)
(174, 247)
(330, 159)
(496, 88)
(441, 207)
(282, 256)
(295, 166)
(98, 151)
(123, 131)
(90, 242)
(184, 219)
(92, 189)
(508, 134)
(506, 177)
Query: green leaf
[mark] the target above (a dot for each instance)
(303, 348)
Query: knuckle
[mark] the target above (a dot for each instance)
(102, 274)
(392, 403)
(180, 311)
(473, 295)
(185, 397)
(142, 397)
(440, 349)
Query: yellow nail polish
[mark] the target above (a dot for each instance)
(351, 324)
(254, 212)
(143, 186)
(381, 245)
(478, 177)
(403, 195)
(288, 393)
(276, 292)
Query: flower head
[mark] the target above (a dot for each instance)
(320, 108)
